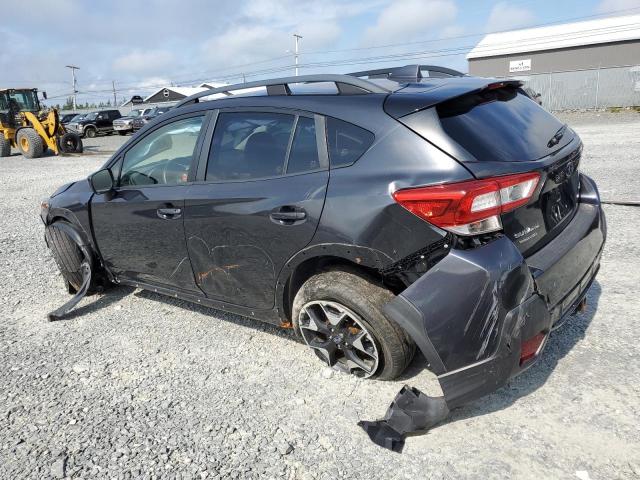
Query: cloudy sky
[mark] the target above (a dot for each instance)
(144, 45)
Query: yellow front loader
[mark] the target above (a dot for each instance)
(24, 125)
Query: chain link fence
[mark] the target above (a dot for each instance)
(587, 89)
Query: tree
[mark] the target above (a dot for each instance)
(69, 104)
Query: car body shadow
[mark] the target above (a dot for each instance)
(252, 323)
(100, 301)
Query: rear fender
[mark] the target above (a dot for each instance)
(363, 256)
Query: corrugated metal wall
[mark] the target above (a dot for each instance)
(587, 89)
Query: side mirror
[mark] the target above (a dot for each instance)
(102, 181)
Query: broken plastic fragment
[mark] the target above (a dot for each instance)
(411, 411)
(82, 291)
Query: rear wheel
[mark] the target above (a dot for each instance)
(5, 146)
(339, 315)
(90, 132)
(29, 143)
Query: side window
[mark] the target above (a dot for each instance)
(164, 156)
(346, 142)
(249, 145)
(304, 150)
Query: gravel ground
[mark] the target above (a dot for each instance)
(137, 385)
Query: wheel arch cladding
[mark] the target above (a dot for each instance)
(310, 260)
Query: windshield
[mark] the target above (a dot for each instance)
(135, 113)
(19, 100)
(91, 116)
(77, 118)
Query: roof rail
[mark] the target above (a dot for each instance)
(408, 72)
(346, 85)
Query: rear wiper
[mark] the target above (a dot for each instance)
(557, 137)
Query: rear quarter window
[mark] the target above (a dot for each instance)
(346, 142)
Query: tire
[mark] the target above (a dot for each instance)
(70, 142)
(5, 146)
(395, 349)
(66, 253)
(29, 143)
(121, 133)
(90, 132)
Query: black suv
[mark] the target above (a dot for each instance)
(370, 215)
(95, 122)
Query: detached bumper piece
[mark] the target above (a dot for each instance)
(410, 412)
(59, 313)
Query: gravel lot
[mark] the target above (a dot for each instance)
(137, 385)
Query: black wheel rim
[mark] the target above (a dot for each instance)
(339, 337)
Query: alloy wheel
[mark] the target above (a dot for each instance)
(338, 336)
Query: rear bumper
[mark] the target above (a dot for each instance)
(472, 311)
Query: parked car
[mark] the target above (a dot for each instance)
(95, 122)
(533, 95)
(142, 120)
(65, 118)
(124, 125)
(448, 215)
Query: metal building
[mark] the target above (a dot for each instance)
(590, 64)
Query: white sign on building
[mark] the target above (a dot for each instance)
(523, 65)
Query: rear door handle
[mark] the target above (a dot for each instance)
(169, 213)
(288, 215)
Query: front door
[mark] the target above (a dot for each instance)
(139, 226)
(257, 204)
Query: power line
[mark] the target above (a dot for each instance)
(454, 51)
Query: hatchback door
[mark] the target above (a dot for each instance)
(497, 130)
(507, 132)
(139, 226)
(258, 201)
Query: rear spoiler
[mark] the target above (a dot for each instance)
(417, 96)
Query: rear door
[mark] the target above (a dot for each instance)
(258, 199)
(139, 226)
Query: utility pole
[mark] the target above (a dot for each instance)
(297, 37)
(115, 101)
(73, 78)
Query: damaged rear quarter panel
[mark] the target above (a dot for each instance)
(462, 300)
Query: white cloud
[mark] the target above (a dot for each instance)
(452, 31)
(139, 61)
(409, 19)
(508, 17)
(291, 12)
(606, 6)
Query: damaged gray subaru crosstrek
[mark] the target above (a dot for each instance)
(374, 213)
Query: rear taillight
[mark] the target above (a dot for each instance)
(472, 207)
(531, 348)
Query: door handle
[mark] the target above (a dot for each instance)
(169, 213)
(288, 215)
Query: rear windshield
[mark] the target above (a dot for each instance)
(502, 125)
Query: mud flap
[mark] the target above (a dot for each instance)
(59, 313)
(410, 412)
